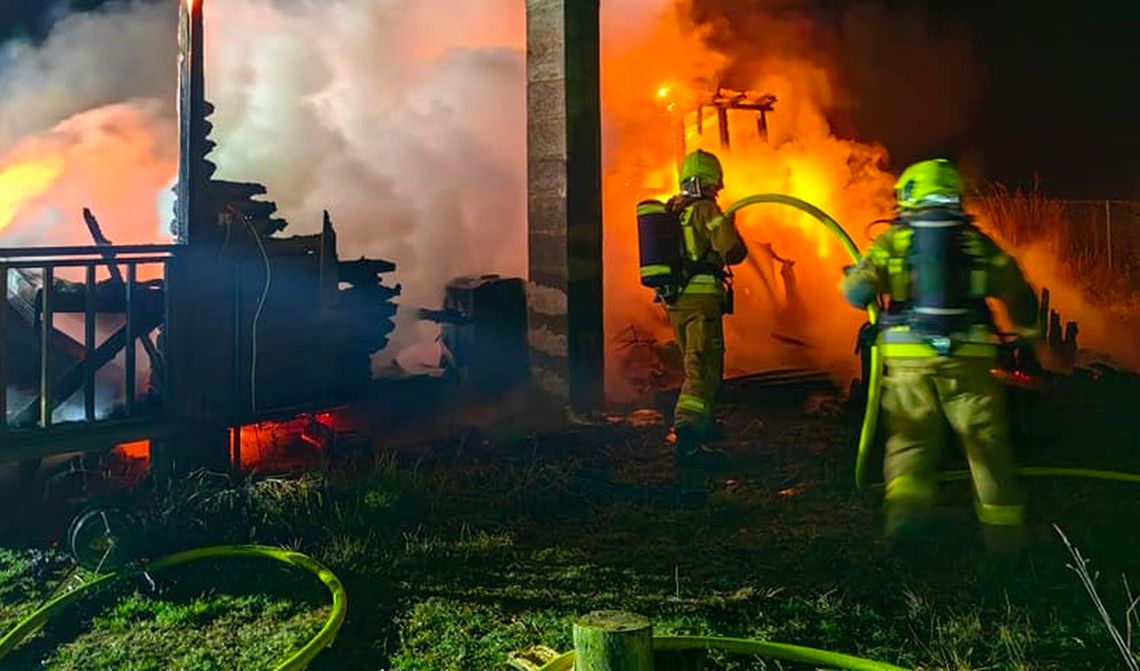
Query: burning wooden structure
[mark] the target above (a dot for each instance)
(239, 325)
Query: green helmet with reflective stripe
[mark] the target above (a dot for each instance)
(933, 183)
(703, 167)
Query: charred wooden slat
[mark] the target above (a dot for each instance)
(363, 271)
(26, 286)
(236, 191)
(102, 241)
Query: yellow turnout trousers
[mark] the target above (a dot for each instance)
(698, 325)
(921, 396)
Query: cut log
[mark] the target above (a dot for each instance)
(613, 641)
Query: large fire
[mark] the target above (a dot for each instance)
(310, 101)
(788, 311)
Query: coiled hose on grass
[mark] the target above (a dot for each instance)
(875, 380)
(296, 661)
(741, 646)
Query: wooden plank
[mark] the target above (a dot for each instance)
(81, 437)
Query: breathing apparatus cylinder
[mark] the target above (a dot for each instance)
(659, 244)
(938, 274)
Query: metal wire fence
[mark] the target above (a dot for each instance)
(1097, 240)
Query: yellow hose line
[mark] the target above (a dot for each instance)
(297, 661)
(1053, 472)
(874, 383)
(742, 646)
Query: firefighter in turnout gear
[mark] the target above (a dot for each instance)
(939, 346)
(701, 298)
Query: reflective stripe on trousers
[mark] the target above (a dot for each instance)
(704, 284)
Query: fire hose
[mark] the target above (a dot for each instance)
(295, 662)
(875, 377)
(874, 383)
(742, 646)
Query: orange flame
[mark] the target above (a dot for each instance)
(23, 181)
(787, 314)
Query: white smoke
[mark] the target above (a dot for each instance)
(404, 118)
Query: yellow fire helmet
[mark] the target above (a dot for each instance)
(704, 167)
(932, 183)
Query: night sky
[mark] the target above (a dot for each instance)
(1060, 96)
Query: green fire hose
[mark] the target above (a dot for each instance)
(296, 661)
(741, 646)
(874, 383)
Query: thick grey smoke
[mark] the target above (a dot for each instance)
(125, 52)
(404, 118)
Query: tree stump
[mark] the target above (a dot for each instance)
(613, 641)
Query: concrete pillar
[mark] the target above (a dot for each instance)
(564, 204)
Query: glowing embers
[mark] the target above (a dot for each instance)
(136, 450)
(302, 442)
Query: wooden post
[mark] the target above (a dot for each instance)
(611, 640)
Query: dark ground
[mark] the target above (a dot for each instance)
(457, 552)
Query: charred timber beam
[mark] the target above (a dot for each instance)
(52, 255)
(236, 191)
(26, 296)
(102, 241)
(73, 437)
(328, 276)
(363, 271)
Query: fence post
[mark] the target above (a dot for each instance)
(610, 640)
(1108, 230)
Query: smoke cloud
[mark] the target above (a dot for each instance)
(912, 81)
(404, 118)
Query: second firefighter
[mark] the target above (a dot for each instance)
(702, 297)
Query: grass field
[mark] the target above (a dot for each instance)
(458, 552)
